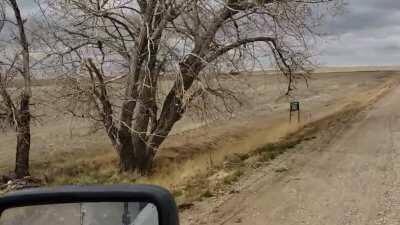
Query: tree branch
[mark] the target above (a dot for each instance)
(102, 95)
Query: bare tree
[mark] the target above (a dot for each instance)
(177, 42)
(17, 114)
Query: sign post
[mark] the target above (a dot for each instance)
(294, 107)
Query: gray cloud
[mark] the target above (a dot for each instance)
(28, 6)
(368, 33)
(365, 14)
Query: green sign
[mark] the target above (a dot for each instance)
(295, 106)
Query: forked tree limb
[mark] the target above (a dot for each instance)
(102, 95)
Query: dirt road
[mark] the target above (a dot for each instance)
(354, 179)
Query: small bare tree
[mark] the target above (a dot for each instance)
(18, 62)
(173, 42)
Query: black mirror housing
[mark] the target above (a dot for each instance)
(161, 198)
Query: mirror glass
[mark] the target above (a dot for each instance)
(105, 213)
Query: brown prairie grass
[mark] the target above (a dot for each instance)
(101, 168)
(200, 171)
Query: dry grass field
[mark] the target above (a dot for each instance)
(65, 150)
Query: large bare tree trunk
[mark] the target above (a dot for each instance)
(134, 152)
(23, 138)
(23, 115)
(127, 159)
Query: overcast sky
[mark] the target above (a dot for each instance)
(367, 34)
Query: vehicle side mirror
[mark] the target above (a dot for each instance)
(90, 205)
